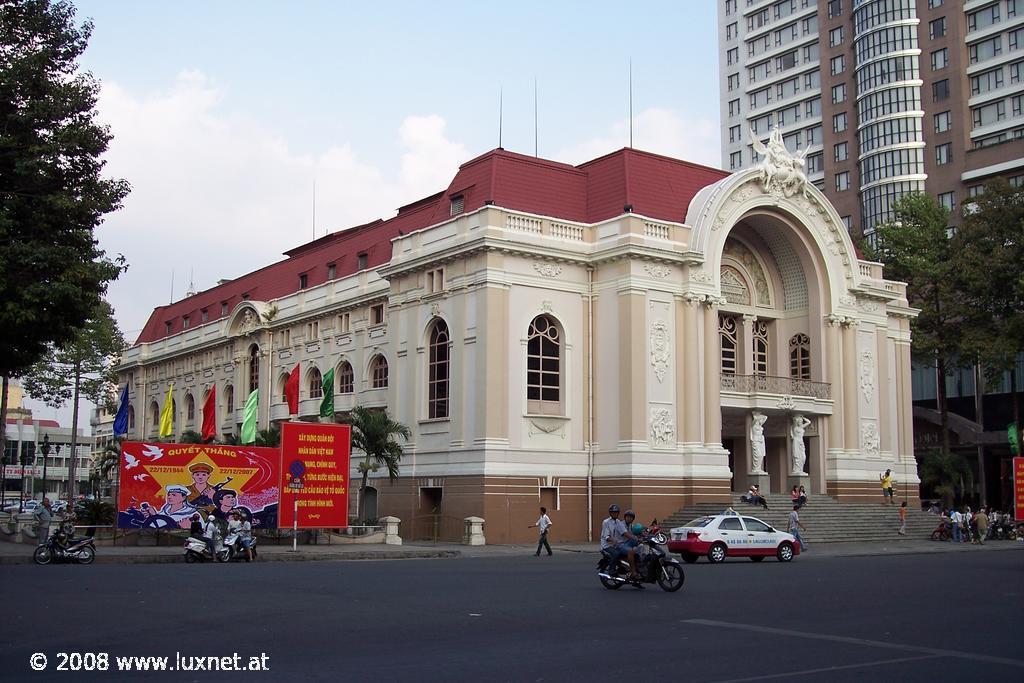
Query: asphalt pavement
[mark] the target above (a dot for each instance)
(512, 616)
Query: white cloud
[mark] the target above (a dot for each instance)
(663, 131)
(218, 192)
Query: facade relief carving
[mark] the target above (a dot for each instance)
(250, 323)
(869, 438)
(740, 252)
(798, 450)
(542, 427)
(548, 269)
(662, 431)
(659, 340)
(867, 374)
(782, 173)
(655, 271)
(757, 447)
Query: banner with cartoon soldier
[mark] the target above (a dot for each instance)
(162, 485)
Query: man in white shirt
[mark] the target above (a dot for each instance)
(612, 529)
(543, 524)
(955, 520)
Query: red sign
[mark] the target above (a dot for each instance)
(1018, 488)
(164, 484)
(314, 474)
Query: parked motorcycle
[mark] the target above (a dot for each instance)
(653, 564)
(942, 532)
(233, 542)
(196, 550)
(65, 548)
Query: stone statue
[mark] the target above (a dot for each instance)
(757, 443)
(782, 173)
(797, 449)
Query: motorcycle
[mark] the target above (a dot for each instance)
(64, 548)
(653, 564)
(196, 550)
(236, 549)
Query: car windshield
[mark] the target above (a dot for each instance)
(700, 522)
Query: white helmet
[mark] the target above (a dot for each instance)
(211, 518)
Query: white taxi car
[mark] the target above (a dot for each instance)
(731, 535)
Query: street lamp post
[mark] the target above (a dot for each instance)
(45, 448)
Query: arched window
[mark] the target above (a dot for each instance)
(316, 384)
(544, 367)
(282, 383)
(254, 368)
(154, 410)
(727, 338)
(131, 417)
(760, 333)
(800, 356)
(437, 372)
(346, 378)
(379, 373)
(190, 408)
(229, 403)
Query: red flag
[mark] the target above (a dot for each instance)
(210, 415)
(291, 391)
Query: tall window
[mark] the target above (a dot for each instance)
(760, 332)
(346, 378)
(316, 384)
(282, 384)
(379, 373)
(254, 368)
(190, 408)
(800, 356)
(543, 367)
(154, 410)
(229, 402)
(727, 338)
(438, 367)
(131, 417)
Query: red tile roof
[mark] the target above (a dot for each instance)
(652, 185)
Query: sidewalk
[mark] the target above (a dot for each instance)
(21, 553)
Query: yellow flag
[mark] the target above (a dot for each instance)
(167, 414)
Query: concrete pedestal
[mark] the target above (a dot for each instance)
(763, 481)
(474, 531)
(799, 480)
(391, 536)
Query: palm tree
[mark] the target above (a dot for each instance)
(269, 437)
(191, 436)
(944, 473)
(373, 432)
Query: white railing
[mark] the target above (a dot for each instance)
(523, 224)
(567, 232)
(657, 230)
(866, 270)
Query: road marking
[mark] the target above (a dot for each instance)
(829, 669)
(859, 641)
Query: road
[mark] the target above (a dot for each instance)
(531, 619)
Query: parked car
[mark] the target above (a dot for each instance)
(27, 506)
(731, 535)
(58, 507)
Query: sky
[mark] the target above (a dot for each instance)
(237, 122)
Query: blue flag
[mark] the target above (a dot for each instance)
(121, 419)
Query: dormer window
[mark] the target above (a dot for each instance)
(332, 271)
(185, 323)
(303, 281)
(204, 315)
(361, 260)
(458, 205)
(245, 297)
(167, 327)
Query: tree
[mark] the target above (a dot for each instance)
(191, 436)
(270, 438)
(915, 248)
(990, 246)
(84, 366)
(373, 432)
(945, 473)
(52, 194)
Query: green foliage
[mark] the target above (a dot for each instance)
(105, 463)
(944, 473)
(94, 513)
(990, 274)
(85, 364)
(52, 194)
(191, 436)
(374, 433)
(269, 437)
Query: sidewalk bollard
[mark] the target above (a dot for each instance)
(474, 531)
(391, 536)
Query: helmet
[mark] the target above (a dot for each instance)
(637, 528)
(211, 518)
(613, 508)
(629, 513)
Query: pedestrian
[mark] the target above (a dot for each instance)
(44, 515)
(802, 500)
(543, 525)
(981, 519)
(903, 518)
(795, 525)
(956, 521)
(886, 480)
(968, 518)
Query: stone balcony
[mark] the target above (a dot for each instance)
(769, 392)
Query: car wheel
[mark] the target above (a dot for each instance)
(756, 558)
(785, 552)
(689, 558)
(717, 553)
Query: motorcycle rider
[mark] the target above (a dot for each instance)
(245, 534)
(612, 529)
(631, 541)
(210, 532)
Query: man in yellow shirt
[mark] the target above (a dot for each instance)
(886, 480)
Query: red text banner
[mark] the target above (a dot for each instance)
(163, 485)
(1018, 488)
(314, 474)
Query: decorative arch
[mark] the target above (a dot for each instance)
(346, 377)
(438, 369)
(154, 411)
(250, 317)
(190, 408)
(131, 417)
(545, 366)
(742, 259)
(229, 403)
(314, 383)
(254, 367)
(378, 372)
(282, 382)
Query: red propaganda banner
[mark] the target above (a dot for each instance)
(1018, 488)
(163, 484)
(314, 473)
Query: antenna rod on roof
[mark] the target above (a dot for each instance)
(534, 116)
(630, 101)
(501, 110)
(314, 208)
(172, 285)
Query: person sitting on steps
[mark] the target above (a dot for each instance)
(754, 497)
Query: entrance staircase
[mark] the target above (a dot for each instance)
(827, 520)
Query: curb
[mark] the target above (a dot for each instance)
(176, 558)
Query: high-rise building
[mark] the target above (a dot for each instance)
(887, 97)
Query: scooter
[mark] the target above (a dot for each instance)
(236, 551)
(63, 547)
(653, 565)
(196, 550)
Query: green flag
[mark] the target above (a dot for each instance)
(1011, 436)
(249, 421)
(327, 404)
